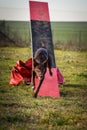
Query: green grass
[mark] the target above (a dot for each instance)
(20, 111)
(67, 32)
(64, 33)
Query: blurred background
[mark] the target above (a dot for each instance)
(68, 23)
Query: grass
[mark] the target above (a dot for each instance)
(20, 111)
(64, 33)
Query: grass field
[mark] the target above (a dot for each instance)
(70, 34)
(65, 32)
(20, 111)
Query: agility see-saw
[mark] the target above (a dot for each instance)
(41, 32)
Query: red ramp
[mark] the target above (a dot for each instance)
(41, 31)
(49, 86)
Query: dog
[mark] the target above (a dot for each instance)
(41, 62)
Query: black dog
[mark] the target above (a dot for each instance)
(41, 61)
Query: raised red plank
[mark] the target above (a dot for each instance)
(41, 32)
(39, 11)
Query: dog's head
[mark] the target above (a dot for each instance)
(41, 56)
(40, 59)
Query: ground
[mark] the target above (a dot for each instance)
(20, 111)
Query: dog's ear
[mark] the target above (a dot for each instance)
(43, 44)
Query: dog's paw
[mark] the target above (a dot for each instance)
(27, 82)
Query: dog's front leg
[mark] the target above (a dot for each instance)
(38, 88)
(33, 80)
(43, 70)
(50, 65)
